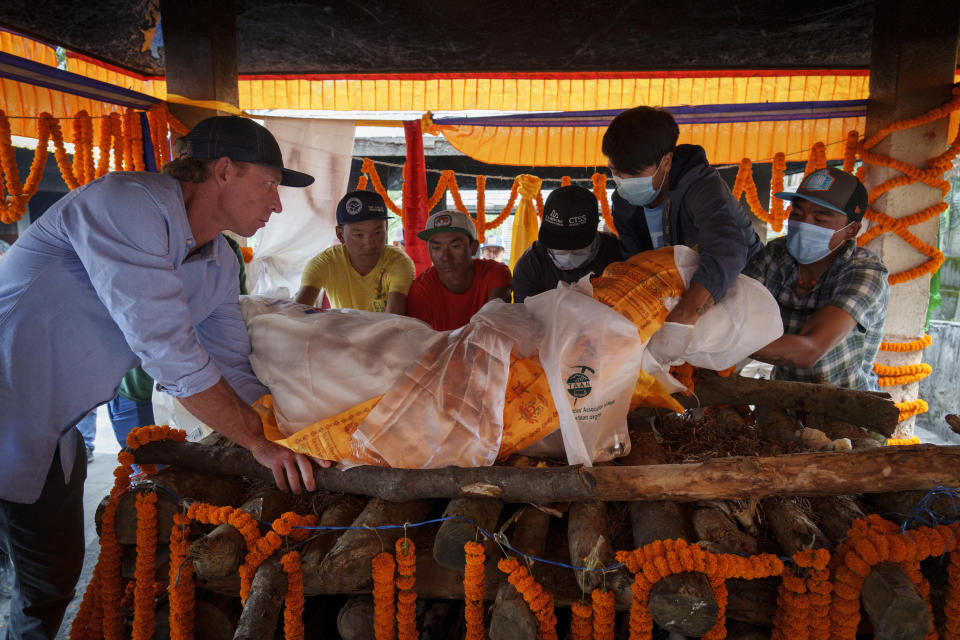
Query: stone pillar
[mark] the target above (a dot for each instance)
(912, 68)
(200, 52)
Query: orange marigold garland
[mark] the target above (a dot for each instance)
(384, 627)
(581, 621)
(803, 599)
(603, 614)
(873, 540)
(371, 170)
(951, 612)
(144, 602)
(60, 152)
(663, 558)
(903, 347)
(406, 597)
(181, 580)
(110, 586)
(293, 600)
(600, 193)
(540, 601)
(481, 206)
(904, 374)
(473, 590)
(912, 408)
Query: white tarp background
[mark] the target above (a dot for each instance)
(305, 227)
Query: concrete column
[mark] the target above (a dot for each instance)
(200, 51)
(912, 68)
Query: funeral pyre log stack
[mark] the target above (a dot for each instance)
(793, 473)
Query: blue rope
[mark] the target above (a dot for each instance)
(922, 514)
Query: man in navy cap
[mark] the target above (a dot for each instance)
(832, 294)
(129, 269)
(361, 272)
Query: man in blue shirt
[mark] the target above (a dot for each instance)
(129, 269)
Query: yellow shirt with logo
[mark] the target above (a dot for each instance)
(332, 271)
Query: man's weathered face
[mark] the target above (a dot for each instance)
(250, 196)
(451, 253)
(364, 242)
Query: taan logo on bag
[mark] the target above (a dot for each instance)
(442, 221)
(578, 384)
(553, 218)
(353, 206)
(819, 181)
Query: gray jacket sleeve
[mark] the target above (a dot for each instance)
(725, 238)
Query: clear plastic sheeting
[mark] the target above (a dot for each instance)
(443, 392)
(744, 320)
(375, 388)
(318, 364)
(447, 408)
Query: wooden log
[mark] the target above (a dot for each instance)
(777, 426)
(212, 622)
(341, 513)
(953, 421)
(347, 566)
(835, 429)
(188, 485)
(355, 620)
(453, 534)
(221, 552)
(752, 601)
(746, 631)
(441, 620)
(588, 539)
(683, 602)
(893, 605)
(715, 526)
(510, 616)
(807, 474)
(262, 609)
(128, 565)
(836, 515)
(792, 528)
(900, 505)
(869, 409)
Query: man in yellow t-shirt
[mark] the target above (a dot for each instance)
(362, 272)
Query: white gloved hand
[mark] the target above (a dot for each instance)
(670, 342)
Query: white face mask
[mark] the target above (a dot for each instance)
(639, 191)
(570, 259)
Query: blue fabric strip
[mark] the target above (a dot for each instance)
(41, 75)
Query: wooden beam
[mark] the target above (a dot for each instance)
(200, 53)
(885, 469)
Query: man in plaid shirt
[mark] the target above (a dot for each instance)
(833, 294)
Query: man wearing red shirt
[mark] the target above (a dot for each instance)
(446, 295)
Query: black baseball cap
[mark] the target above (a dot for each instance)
(358, 206)
(834, 189)
(243, 140)
(570, 218)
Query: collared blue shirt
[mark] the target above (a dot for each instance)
(100, 283)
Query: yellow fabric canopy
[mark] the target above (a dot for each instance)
(725, 142)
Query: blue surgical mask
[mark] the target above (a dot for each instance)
(638, 191)
(807, 242)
